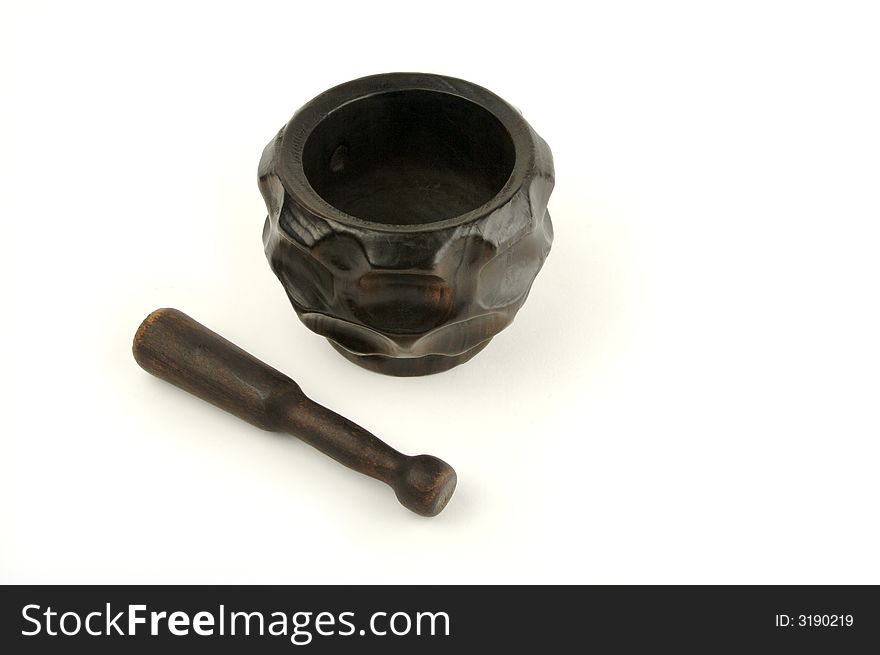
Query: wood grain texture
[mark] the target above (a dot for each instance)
(174, 347)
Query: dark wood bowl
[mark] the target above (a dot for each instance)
(407, 218)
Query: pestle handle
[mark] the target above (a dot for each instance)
(172, 346)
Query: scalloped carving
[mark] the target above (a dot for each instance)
(408, 302)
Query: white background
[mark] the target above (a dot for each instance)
(691, 393)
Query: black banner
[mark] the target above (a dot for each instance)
(114, 619)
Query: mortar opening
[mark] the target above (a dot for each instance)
(408, 157)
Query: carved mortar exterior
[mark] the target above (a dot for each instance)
(407, 218)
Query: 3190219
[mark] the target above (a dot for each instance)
(815, 621)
